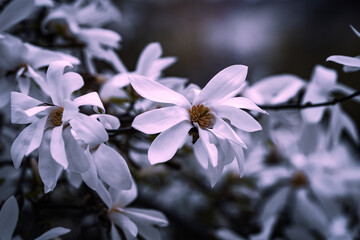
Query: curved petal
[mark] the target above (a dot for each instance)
(71, 82)
(89, 129)
(156, 92)
(200, 154)
(146, 216)
(19, 104)
(53, 233)
(211, 149)
(164, 147)
(21, 144)
(239, 154)
(114, 233)
(91, 99)
(109, 121)
(148, 56)
(238, 118)
(90, 177)
(54, 77)
(15, 12)
(8, 218)
(57, 147)
(123, 198)
(38, 135)
(345, 60)
(104, 195)
(241, 102)
(223, 83)
(112, 167)
(159, 120)
(127, 226)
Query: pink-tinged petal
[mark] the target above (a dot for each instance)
(21, 144)
(287, 92)
(104, 195)
(90, 177)
(19, 104)
(222, 84)
(54, 77)
(70, 111)
(49, 169)
(313, 115)
(57, 147)
(239, 118)
(145, 216)
(222, 130)
(112, 167)
(323, 77)
(35, 110)
(240, 102)
(15, 12)
(200, 154)
(9, 214)
(53, 233)
(71, 82)
(122, 198)
(226, 151)
(148, 56)
(89, 129)
(128, 227)
(345, 60)
(91, 99)
(38, 135)
(164, 147)
(78, 162)
(210, 148)
(156, 92)
(159, 120)
(107, 120)
(158, 66)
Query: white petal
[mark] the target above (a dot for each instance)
(238, 118)
(21, 144)
(57, 147)
(112, 167)
(77, 159)
(156, 92)
(91, 99)
(164, 147)
(54, 76)
(49, 169)
(24, 84)
(211, 149)
(71, 82)
(53, 233)
(127, 226)
(74, 179)
(345, 60)
(104, 195)
(200, 154)
(37, 137)
(90, 177)
(109, 121)
(239, 153)
(89, 129)
(15, 12)
(152, 217)
(159, 120)
(20, 103)
(8, 218)
(240, 102)
(123, 197)
(223, 83)
(148, 56)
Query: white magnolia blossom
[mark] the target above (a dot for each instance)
(132, 221)
(53, 125)
(82, 21)
(9, 214)
(201, 117)
(351, 64)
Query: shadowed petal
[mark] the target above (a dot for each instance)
(8, 218)
(240, 102)
(53, 233)
(57, 147)
(211, 149)
(127, 226)
(345, 60)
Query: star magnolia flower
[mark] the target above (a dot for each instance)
(132, 221)
(9, 214)
(51, 125)
(200, 117)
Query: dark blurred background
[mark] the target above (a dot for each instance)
(271, 37)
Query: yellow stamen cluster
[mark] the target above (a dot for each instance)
(201, 115)
(56, 116)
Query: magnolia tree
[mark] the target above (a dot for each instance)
(95, 153)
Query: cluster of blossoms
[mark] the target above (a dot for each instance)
(110, 140)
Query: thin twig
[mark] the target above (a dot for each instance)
(310, 105)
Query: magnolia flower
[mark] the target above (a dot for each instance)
(351, 64)
(132, 221)
(52, 124)
(24, 60)
(8, 219)
(200, 117)
(150, 65)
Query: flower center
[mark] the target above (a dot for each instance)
(299, 179)
(56, 116)
(202, 116)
